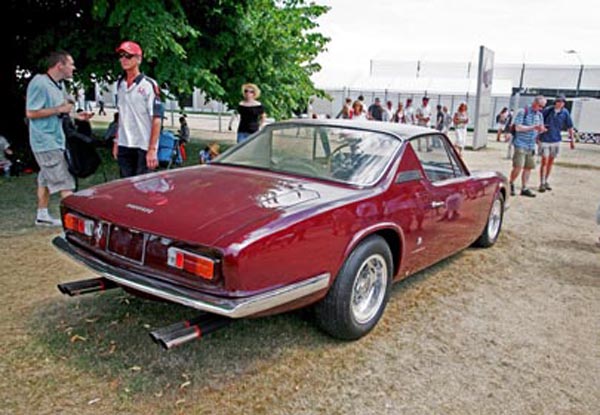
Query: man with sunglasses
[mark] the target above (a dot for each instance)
(140, 114)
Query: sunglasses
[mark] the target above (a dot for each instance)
(125, 55)
(248, 91)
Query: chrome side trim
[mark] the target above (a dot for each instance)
(228, 307)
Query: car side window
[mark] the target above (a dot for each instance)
(439, 163)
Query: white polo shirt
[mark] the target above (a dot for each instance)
(138, 105)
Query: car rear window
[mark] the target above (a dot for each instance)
(354, 156)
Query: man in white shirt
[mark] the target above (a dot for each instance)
(388, 111)
(140, 114)
(423, 116)
(423, 113)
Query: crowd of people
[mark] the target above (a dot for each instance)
(406, 113)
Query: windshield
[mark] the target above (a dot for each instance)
(333, 153)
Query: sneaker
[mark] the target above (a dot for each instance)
(527, 192)
(547, 187)
(542, 188)
(49, 221)
(513, 192)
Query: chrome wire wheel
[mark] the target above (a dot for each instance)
(495, 219)
(369, 288)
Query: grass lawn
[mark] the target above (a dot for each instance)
(93, 354)
(19, 201)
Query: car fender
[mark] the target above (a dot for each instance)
(376, 228)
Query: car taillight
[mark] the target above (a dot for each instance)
(78, 224)
(193, 263)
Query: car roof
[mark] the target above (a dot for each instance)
(403, 131)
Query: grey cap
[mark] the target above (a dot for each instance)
(561, 98)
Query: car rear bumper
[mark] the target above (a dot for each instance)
(228, 307)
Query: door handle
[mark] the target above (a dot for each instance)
(437, 204)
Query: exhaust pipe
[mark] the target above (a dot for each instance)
(199, 327)
(163, 331)
(91, 285)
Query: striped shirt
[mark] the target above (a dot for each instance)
(527, 117)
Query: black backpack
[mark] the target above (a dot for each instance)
(80, 152)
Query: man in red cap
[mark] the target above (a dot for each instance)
(140, 113)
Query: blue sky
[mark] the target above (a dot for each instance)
(452, 30)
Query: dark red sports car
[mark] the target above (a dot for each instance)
(315, 213)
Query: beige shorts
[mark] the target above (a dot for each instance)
(54, 171)
(524, 158)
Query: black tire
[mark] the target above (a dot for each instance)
(364, 280)
(493, 226)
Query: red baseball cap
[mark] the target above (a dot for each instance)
(130, 47)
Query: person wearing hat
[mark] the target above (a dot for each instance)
(209, 152)
(140, 114)
(556, 119)
(251, 112)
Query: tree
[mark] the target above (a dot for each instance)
(213, 45)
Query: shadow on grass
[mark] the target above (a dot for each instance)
(108, 335)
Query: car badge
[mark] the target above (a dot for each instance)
(139, 208)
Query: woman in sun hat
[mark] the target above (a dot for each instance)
(251, 112)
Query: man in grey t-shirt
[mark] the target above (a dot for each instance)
(47, 104)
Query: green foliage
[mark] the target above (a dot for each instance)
(275, 48)
(213, 45)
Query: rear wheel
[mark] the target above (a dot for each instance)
(490, 233)
(357, 298)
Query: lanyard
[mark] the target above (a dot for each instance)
(57, 84)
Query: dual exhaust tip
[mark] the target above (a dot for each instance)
(168, 337)
(185, 331)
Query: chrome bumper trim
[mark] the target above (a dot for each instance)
(228, 307)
